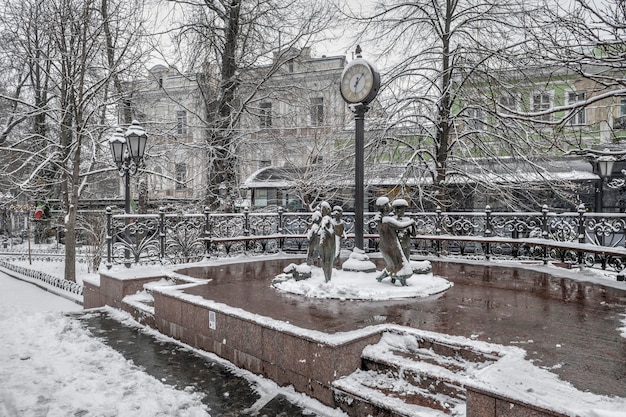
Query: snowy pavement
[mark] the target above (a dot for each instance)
(52, 365)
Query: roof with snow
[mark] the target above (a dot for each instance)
(504, 170)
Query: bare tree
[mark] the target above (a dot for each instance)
(459, 85)
(586, 38)
(71, 53)
(237, 46)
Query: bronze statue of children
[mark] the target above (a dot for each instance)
(313, 238)
(404, 235)
(398, 266)
(340, 231)
(327, 242)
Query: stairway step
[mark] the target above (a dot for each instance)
(411, 374)
(142, 300)
(363, 391)
(402, 348)
(425, 377)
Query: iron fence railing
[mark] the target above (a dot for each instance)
(172, 238)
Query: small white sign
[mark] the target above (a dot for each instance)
(212, 320)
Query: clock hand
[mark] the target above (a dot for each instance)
(358, 79)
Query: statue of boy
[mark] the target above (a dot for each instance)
(327, 242)
(398, 266)
(404, 235)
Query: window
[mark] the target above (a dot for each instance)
(508, 103)
(181, 176)
(318, 159)
(265, 115)
(542, 102)
(317, 111)
(622, 107)
(475, 117)
(181, 122)
(265, 163)
(580, 116)
(264, 197)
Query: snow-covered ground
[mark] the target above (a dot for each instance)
(359, 285)
(51, 365)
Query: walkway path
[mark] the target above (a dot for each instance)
(56, 361)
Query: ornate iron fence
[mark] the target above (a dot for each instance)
(172, 238)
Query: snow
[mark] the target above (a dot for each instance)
(52, 366)
(510, 374)
(353, 285)
(21, 298)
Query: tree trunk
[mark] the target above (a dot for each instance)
(70, 246)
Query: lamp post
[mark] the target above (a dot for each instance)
(128, 150)
(605, 168)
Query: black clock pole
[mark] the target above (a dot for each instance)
(359, 86)
(359, 201)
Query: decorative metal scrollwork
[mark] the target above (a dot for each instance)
(184, 239)
(175, 238)
(139, 238)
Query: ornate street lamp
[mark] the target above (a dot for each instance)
(136, 139)
(605, 165)
(605, 168)
(128, 150)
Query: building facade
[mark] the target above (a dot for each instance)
(295, 135)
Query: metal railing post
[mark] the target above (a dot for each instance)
(246, 226)
(109, 215)
(207, 231)
(581, 232)
(438, 230)
(279, 229)
(162, 232)
(487, 233)
(544, 231)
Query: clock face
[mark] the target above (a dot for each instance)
(359, 83)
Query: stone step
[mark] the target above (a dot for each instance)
(413, 372)
(437, 388)
(385, 394)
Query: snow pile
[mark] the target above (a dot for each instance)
(510, 374)
(351, 285)
(52, 366)
(359, 262)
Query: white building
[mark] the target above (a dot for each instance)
(294, 117)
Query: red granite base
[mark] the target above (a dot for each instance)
(305, 360)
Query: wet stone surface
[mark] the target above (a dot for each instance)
(226, 394)
(569, 327)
